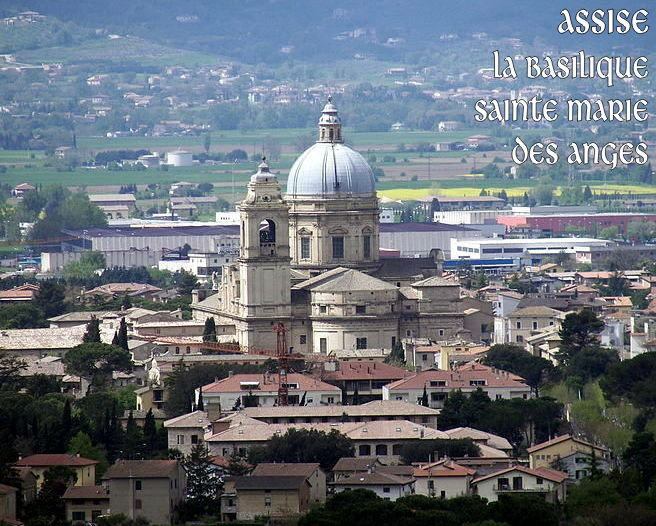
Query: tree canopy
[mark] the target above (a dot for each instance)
(97, 361)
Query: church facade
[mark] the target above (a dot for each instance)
(310, 260)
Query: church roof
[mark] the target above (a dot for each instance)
(436, 281)
(353, 280)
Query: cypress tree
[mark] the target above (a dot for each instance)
(201, 404)
(123, 335)
(92, 334)
(150, 430)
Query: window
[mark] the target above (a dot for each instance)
(366, 247)
(539, 480)
(360, 309)
(302, 339)
(137, 485)
(323, 345)
(535, 325)
(443, 494)
(267, 502)
(137, 504)
(194, 439)
(440, 332)
(519, 338)
(338, 247)
(331, 400)
(361, 343)
(517, 483)
(364, 450)
(322, 309)
(381, 449)
(431, 484)
(79, 516)
(305, 248)
(519, 325)
(386, 489)
(503, 484)
(181, 440)
(396, 449)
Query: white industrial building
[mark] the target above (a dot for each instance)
(418, 239)
(179, 158)
(466, 217)
(504, 248)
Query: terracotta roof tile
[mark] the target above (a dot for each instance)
(142, 469)
(55, 459)
(86, 492)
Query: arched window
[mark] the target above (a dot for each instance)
(267, 232)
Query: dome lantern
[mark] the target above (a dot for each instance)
(330, 125)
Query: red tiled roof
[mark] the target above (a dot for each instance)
(55, 459)
(86, 492)
(549, 474)
(443, 468)
(268, 382)
(27, 291)
(367, 371)
(460, 378)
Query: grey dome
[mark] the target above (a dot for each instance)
(330, 169)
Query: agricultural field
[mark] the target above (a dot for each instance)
(407, 175)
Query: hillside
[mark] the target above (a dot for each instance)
(256, 31)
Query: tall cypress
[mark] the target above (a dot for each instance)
(123, 335)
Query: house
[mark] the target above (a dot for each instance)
(276, 490)
(447, 126)
(480, 438)
(185, 431)
(252, 390)
(571, 455)
(37, 343)
(311, 471)
(116, 290)
(85, 504)
(347, 467)
(522, 323)
(145, 488)
(84, 468)
(382, 438)
(384, 485)
(517, 479)
(7, 503)
(364, 379)
(20, 294)
(445, 479)
(437, 384)
(374, 410)
(20, 190)
(151, 397)
(28, 483)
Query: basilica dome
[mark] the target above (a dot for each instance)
(329, 167)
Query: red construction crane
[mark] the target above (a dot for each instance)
(282, 354)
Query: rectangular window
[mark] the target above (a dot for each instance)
(79, 516)
(360, 309)
(338, 247)
(137, 504)
(181, 440)
(137, 485)
(322, 309)
(194, 439)
(305, 248)
(267, 502)
(323, 345)
(361, 343)
(535, 325)
(366, 247)
(519, 325)
(302, 339)
(386, 490)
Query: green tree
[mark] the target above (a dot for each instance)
(396, 355)
(10, 368)
(81, 444)
(424, 398)
(50, 298)
(204, 483)
(150, 431)
(632, 380)
(209, 332)
(87, 266)
(432, 450)
(123, 335)
(515, 359)
(97, 361)
(186, 282)
(133, 440)
(611, 232)
(92, 334)
(308, 445)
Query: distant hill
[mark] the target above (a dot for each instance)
(259, 31)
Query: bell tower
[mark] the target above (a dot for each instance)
(264, 262)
